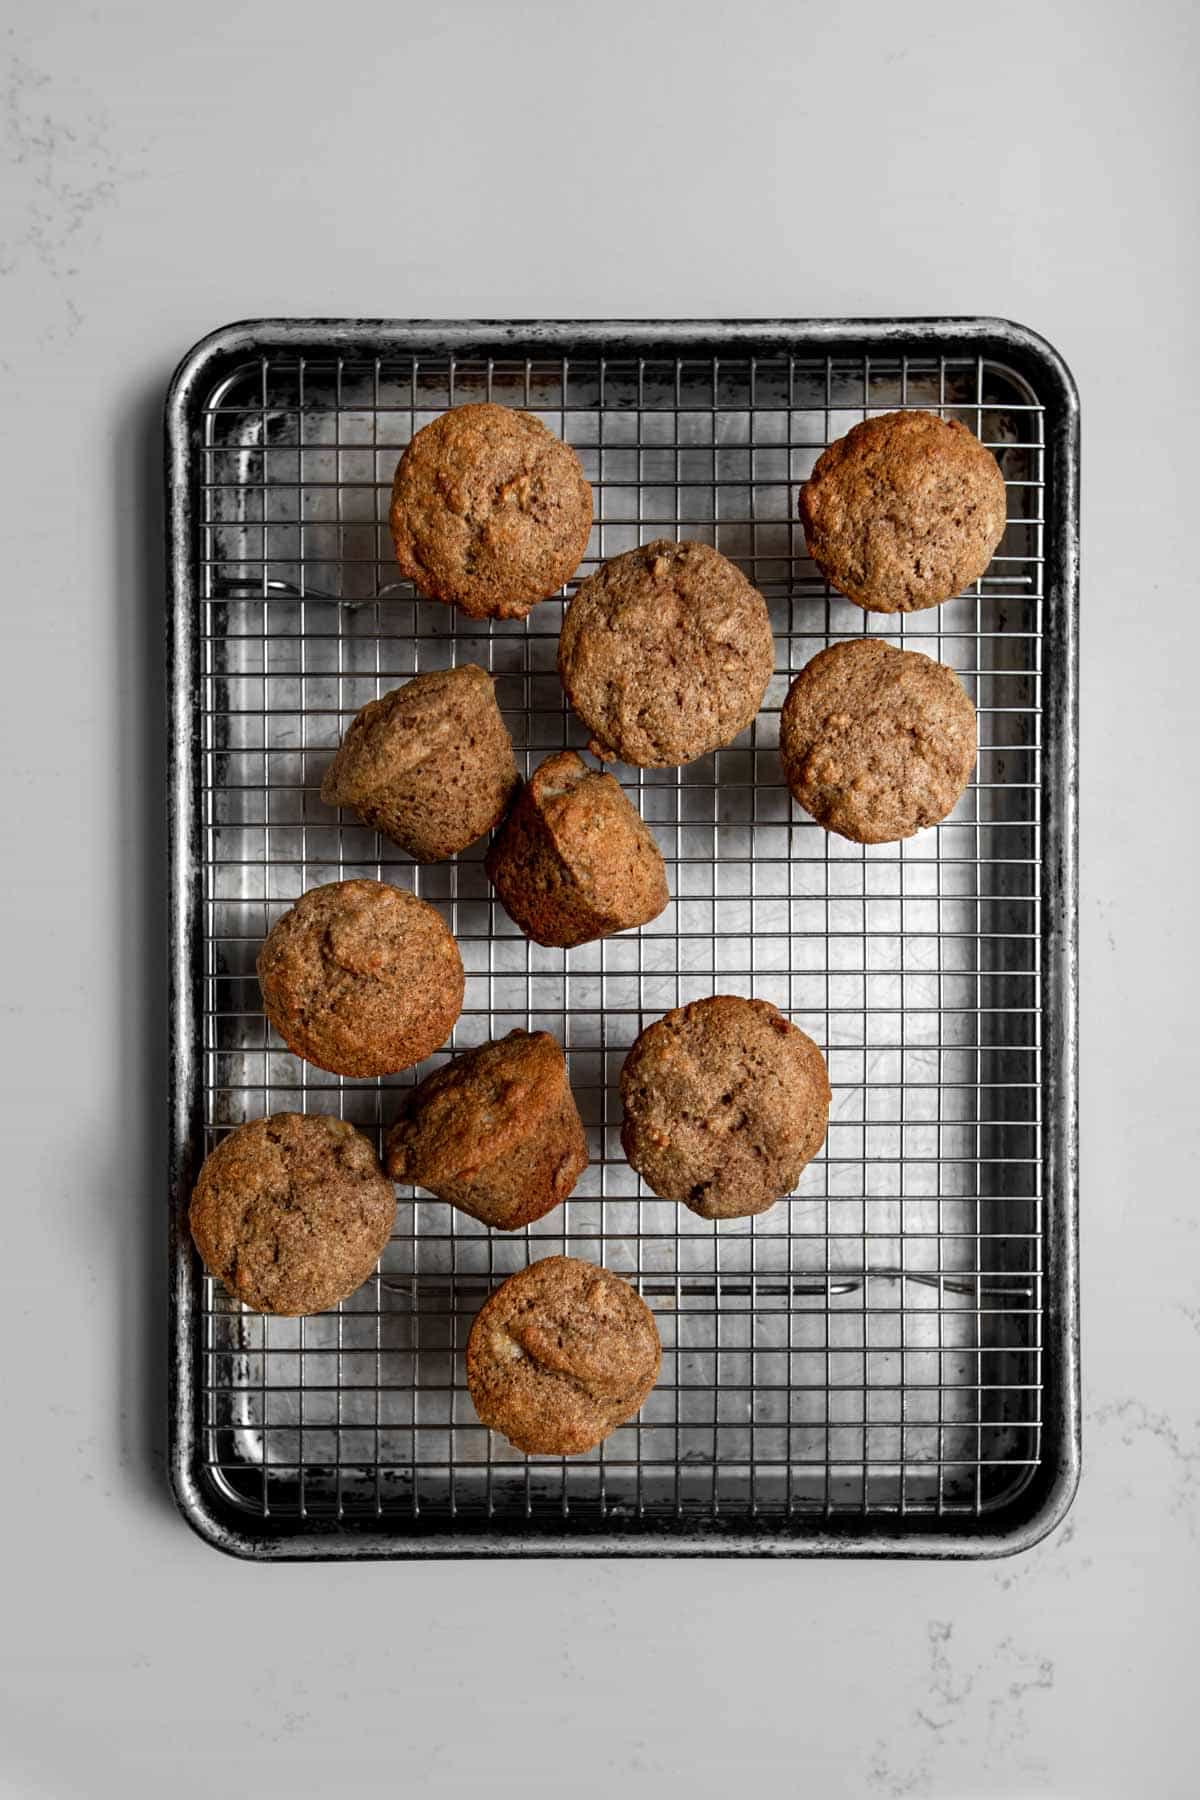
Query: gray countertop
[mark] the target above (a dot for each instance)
(168, 169)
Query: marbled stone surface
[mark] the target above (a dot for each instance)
(167, 169)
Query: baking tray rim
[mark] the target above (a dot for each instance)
(1041, 1504)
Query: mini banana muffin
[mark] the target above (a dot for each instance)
(292, 1212)
(560, 1355)
(361, 978)
(665, 654)
(725, 1102)
(904, 511)
(877, 742)
(490, 511)
(429, 764)
(496, 1132)
(574, 860)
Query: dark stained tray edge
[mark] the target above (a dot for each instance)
(1044, 1501)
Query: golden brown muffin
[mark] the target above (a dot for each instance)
(665, 654)
(496, 1132)
(560, 1355)
(490, 511)
(292, 1212)
(725, 1102)
(361, 978)
(430, 764)
(574, 860)
(877, 742)
(904, 511)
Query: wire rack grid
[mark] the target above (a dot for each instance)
(870, 1348)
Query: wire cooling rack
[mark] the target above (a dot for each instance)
(888, 1359)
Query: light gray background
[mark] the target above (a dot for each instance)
(171, 167)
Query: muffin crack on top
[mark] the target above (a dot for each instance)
(548, 1349)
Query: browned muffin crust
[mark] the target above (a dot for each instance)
(496, 1132)
(904, 511)
(877, 742)
(292, 1212)
(560, 1355)
(361, 978)
(725, 1102)
(489, 510)
(574, 860)
(665, 654)
(429, 764)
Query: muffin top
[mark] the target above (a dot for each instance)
(429, 764)
(478, 1109)
(665, 654)
(725, 1102)
(904, 511)
(574, 860)
(361, 978)
(560, 1355)
(292, 1212)
(877, 742)
(489, 510)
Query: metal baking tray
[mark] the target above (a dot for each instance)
(886, 1363)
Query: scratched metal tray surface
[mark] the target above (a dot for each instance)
(886, 1362)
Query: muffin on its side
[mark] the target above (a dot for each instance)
(877, 742)
(665, 654)
(429, 764)
(560, 1355)
(489, 511)
(574, 860)
(904, 511)
(496, 1132)
(292, 1213)
(361, 978)
(725, 1102)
